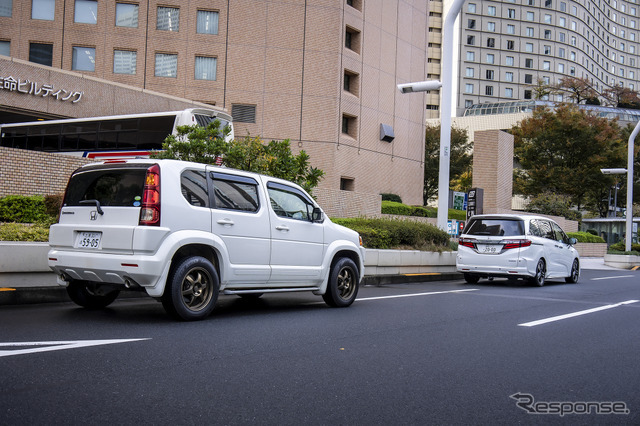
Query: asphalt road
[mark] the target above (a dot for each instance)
(428, 353)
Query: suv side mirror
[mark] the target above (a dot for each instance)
(316, 215)
(573, 241)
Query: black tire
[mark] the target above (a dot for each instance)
(91, 295)
(471, 279)
(192, 289)
(575, 272)
(342, 288)
(541, 273)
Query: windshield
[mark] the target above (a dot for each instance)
(495, 227)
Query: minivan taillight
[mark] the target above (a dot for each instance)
(150, 211)
(511, 244)
(467, 242)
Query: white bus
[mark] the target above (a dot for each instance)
(117, 136)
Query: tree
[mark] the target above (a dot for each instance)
(579, 89)
(460, 159)
(562, 152)
(542, 89)
(207, 145)
(621, 97)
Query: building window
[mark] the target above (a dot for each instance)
(352, 39)
(86, 12)
(350, 125)
(491, 42)
(547, 50)
(471, 24)
(530, 32)
(43, 9)
(528, 47)
(528, 63)
(347, 184)
(511, 13)
(166, 65)
(528, 78)
(124, 61)
(356, 4)
(168, 19)
(572, 71)
(510, 44)
(243, 113)
(511, 29)
(83, 58)
(6, 8)
(561, 68)
(561, 37)
(561, 52)
(546, 65)
(508, 92)
(468, 88)
(41, 53)
(471, 8)
(126, 15)
(471, 56)
(488, 90)
(468, 103)
(562, 22)
(547, 3)
(531, 16)
(509, 61)
(508, 76)
(547, 34)
(471, 40)
(205, 68)
(490, 58)
(5, 47)
(491, 27)
(470, 73)
(351, 82)
(547, 18)
(527, 94)
(489, 74)
(491, 11)
(207, 22)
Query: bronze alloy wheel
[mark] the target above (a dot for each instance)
(345, 282)
(197, 289)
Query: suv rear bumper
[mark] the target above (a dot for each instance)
(126, 270)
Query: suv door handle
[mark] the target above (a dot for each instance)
(282, 228)
(225, 222)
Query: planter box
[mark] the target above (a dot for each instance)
(591, 249)
(395, 262)
(621, 261)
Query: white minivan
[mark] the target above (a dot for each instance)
(516, 246)
(183, 232)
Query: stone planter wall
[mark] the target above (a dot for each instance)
(591, 249)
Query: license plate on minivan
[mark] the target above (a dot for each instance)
(489, 248)
(90, 240)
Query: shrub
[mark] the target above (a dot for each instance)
(23, 209)
(620, 246)
(395, 208)
(460, 215)
(592, 231)
(391, 197)
(585, 237)
(52, 204)
(395, 233)
(23, 232)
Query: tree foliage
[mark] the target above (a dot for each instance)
(207, 145)
(562, 152)
(578, 89)
(460, 160)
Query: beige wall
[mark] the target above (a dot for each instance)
(286, 57)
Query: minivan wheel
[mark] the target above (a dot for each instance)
(342, 288)
(541, 272)
(192, 289)
(471, 279)
(575, 272)
(90, 295)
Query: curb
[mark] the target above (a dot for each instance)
(35, 295)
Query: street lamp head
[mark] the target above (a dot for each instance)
(420, 86)
(618, 171)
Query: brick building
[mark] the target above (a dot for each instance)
(321, 73)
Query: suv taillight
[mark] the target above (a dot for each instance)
(511, 244)
(150, 211)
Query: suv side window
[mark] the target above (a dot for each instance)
(231, 192)
(193, 184)
(289, 202)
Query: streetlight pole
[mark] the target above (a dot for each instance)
(630, 149)
(445, 109)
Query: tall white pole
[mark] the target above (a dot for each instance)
(630, 149)
(445, 112)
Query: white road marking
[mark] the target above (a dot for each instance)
(613, 277)
(56, 346)
(414, 294)
(575, 314)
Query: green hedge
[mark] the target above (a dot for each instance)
(391, 197)
(618, 248)
(19, 208)
(585, 237)
(399, 209)
(23, 232)
(395, 233)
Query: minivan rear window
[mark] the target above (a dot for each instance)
(495, 227)
(111, 187)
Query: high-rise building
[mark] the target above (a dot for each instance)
(509, 47)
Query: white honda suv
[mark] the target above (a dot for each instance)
(183, 232)
(516, 246)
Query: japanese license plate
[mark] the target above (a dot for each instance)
(489, 248)
(90, 240)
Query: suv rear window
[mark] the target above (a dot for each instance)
(111, 187)
(495, 227)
